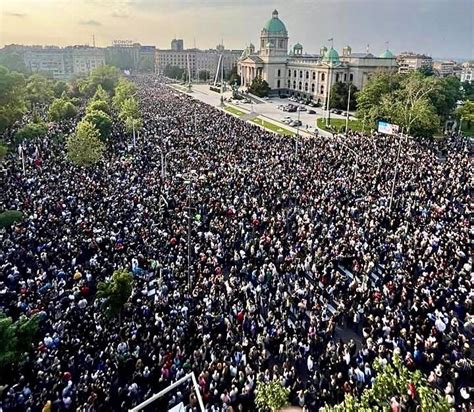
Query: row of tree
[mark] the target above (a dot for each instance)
(112, 95)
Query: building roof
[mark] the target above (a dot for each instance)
(331, 56)
(274, 25)
(387, 54)
(298, 46)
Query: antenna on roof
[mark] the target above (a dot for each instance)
(367, 49)
(93, 40)
(386, 44)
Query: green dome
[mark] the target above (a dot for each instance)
(387, 54)
(298, 46)
(331, 56)
(274, 25)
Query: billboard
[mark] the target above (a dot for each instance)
(388, 128)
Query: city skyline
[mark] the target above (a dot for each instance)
(440, 28)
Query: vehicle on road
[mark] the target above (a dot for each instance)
(311, 111)
(301, 109)
(295, 123)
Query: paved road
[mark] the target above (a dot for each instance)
(268, 109)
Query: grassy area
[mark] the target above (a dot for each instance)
(234, 110)
(273, 127)
(339, 124)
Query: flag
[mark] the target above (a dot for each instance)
(331, 39)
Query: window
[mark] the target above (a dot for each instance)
(337, 77)
(323, 77)
(289, 84)
(306, 87)
(294, 84)
(321, 90)
(312, 87)
(299, 86)
(289, 73)
(279, 73)
(307, 74)
(314, 76)
(301, 74)
(278, 84)
(294, 73)
(351, 77)
(345, 77)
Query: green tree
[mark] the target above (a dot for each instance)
(12, 104)
(147, 64)
(116, 291)
(445, 95)
(30, 131)
(466, 113)
(394, 381)
(124, 90)
(39, 90)
(60, 88)
(173, 72)
(339, 95)
(101, 121)
(13, 61)
(128, 109)
(15, 339)
(100, 94)
(204, 75)
(105, 76)
(61, 109)
(467, 90)
(234, 77)
(132, 123)
(84, 147)
(259, 87)
(9, 217)
(369, 98)
(271, 396)
(426, 71)
(101, 105)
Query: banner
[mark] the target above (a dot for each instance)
(388, 128)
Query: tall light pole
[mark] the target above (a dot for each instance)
(348, 106)
(328, 118)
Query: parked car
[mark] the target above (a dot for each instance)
(283, 96)
(295, 123)
(291, 109)
(301, 108)
(311, 111)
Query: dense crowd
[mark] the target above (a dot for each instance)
(298, 268)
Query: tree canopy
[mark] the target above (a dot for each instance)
(39, 90)
(31, 131)
(339, 95)
(84, 147)
(259, 87)
(116, 291)
(105, 76)
(12, 103)
(173, 72)
(61, 109)
(101, 121)
(271, 396)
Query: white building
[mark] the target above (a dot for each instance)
(445, 68)
(467, 74)
(306, 75)
(63, 63)
(199, 60)
(409, 62)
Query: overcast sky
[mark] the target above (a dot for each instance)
(441, 28)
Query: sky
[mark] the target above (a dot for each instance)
(440, 28)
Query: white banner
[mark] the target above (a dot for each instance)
(388, 128)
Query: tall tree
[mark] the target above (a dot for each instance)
(39, 90)
(124, 90)
(466, 113)
(61, 109)
(12, 103)
(15, 339)
(271, 396)
(84, 147)
(173, 72)
(259, 87)
(30, 131)
(105, 76)
(204, 75)
(128, 109)
(101, 121)
(116, 291)
(339, 95)
(445, 95)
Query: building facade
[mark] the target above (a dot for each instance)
(409, 62)
(177, 45)
(199, 60)
(305, 75)
(467, 73)
(63, 63)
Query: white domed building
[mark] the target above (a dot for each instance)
(292, 72)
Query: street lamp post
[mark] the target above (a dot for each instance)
(348, 106)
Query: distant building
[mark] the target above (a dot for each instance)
(445, 68)
(409, 62)
(177, 45)
(306, 75)
(199, 60)
(467, 73)
(84, 59)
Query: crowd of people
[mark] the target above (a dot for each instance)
(251, 261)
